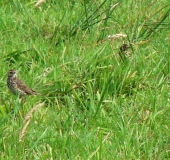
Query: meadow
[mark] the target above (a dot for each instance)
(97, 100)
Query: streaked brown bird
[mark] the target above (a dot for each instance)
(123, 52)
(18, 87)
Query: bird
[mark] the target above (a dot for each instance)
(18, 87)
(123, 51)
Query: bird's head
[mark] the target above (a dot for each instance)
(12, 73)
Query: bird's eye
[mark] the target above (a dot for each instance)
(11, 72)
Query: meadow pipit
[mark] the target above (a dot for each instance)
(18, 87)
(123, 51)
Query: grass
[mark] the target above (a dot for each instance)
(96, 106)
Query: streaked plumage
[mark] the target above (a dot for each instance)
(123, 52)
(16, 86)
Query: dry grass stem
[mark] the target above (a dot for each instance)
(22, 133)
(27, 120)
(115, 36)
(39, 2)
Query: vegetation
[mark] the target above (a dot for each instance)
(94, 103)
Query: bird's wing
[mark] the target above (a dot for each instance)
(23, 87)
